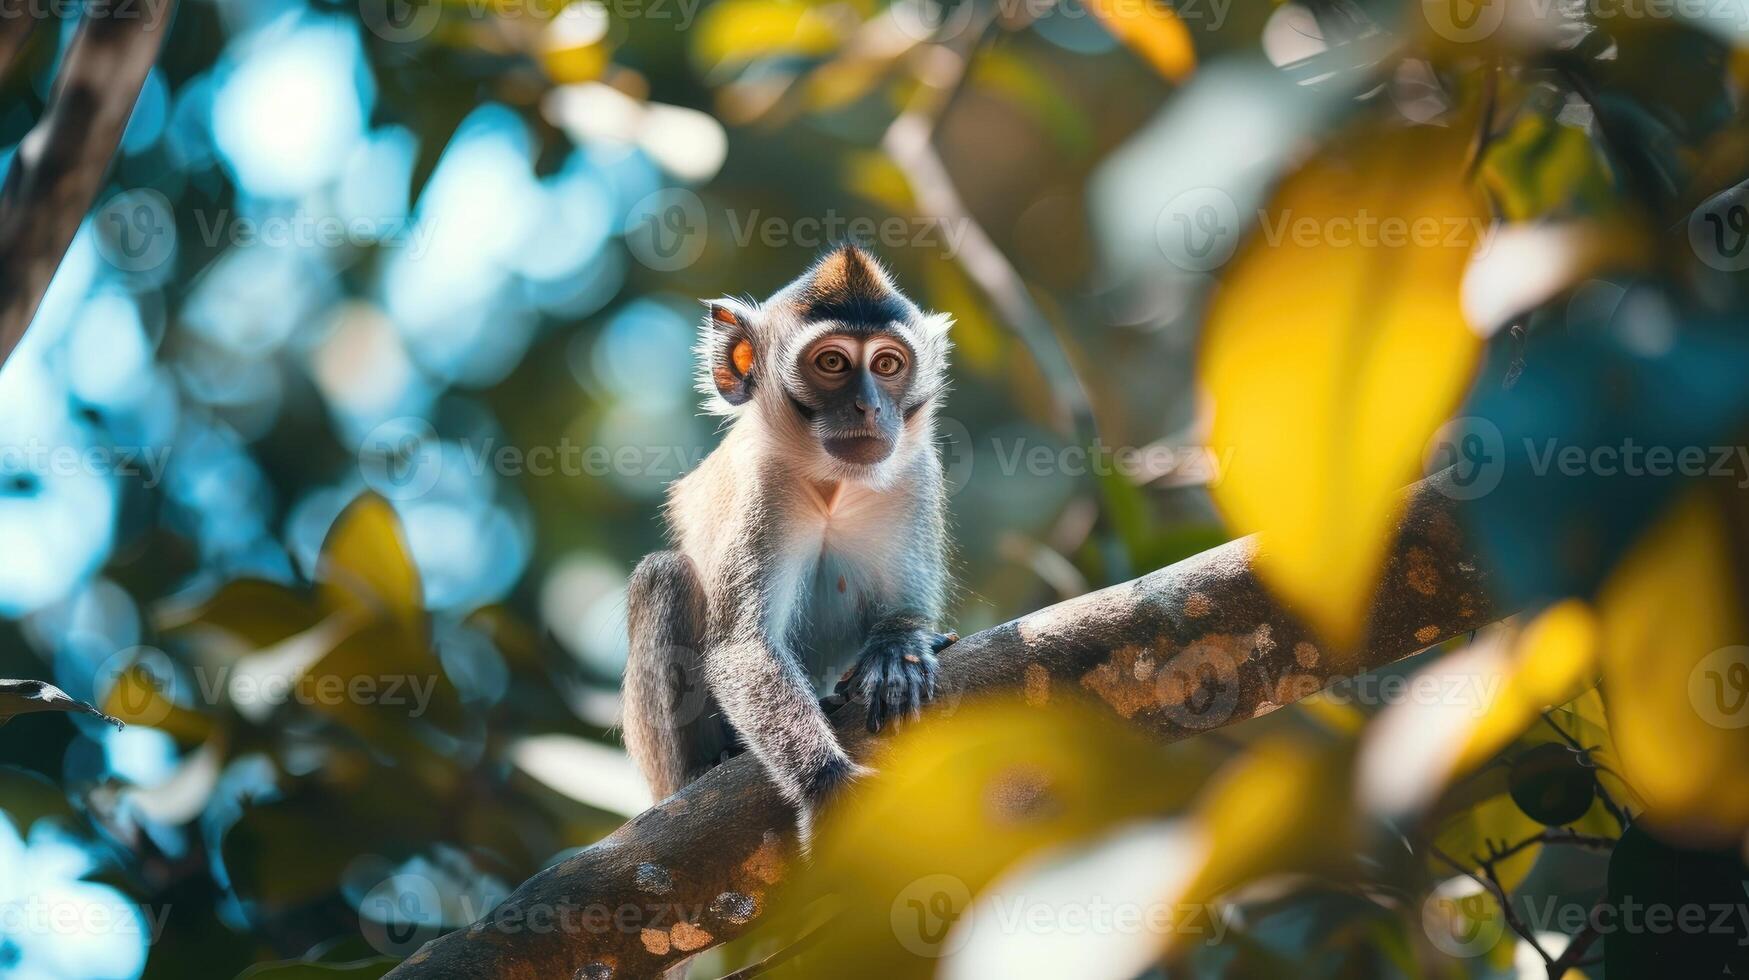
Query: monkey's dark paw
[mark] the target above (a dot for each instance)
(896, 675)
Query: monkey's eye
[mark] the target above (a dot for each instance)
(887, 364)
(832, 362)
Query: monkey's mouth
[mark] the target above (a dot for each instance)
(858, 449)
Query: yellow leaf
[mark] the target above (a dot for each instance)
(1333, 350)
(138, 697)
(574, 63)
(1554, 661)
(1152, 31)
(364, 566)
(1002, 781)
(1675, 672)
(1465, 835)
(739, 31)
(1281, 807)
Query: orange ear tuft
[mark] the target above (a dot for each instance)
(741, 355)
(723, 315)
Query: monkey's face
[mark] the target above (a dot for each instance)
(838, 365)
(852, 388)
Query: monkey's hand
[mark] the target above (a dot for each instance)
(896, 672)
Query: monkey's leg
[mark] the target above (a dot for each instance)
(673, 727)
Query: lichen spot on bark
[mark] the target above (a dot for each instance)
(1197, 605)
(1293, 687)
(1116, 683)
(653, 879)
(1305, 654)
(1427, 634)
(1144, 668)
(655, 941)
(688, 937)
(1263, 642)
(734, 908)
(1037, 689)
(766, 863)
(1421, 572)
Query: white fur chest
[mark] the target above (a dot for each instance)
(839, 562)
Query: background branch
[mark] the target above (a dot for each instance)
(696, 869)
(60, 163)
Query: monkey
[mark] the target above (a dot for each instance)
(814, 535)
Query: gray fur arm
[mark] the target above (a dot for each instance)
(770, 702)
(767, 694)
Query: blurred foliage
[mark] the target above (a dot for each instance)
(372, 363)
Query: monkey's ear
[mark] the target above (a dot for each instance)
(728, 351)
(937, 324)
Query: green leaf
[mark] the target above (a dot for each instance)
(1541, 166)
(255, 611)
(29, 796)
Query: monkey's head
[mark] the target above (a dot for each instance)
(838, 362)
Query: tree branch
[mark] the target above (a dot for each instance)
(1185, 649)
(60, 163)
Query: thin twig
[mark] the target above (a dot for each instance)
(1555, 835)
(910, 142)
(1651, 186)
(1574, 955)
(1615, 809)
(1492, 884)
(1485, 126)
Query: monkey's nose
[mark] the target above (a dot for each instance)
(864, 408)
